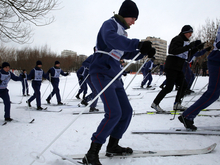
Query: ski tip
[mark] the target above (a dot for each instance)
(212, 147)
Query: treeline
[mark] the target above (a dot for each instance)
(26, 58)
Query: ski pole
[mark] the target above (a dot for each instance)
(80, 86)
(196, 95)
(76, 85)
(119, 74)
(45, 91)
(64, 87)
(136, 74)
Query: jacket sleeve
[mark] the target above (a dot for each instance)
(176, 46)
(15, 78)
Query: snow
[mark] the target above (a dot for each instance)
(21, 142)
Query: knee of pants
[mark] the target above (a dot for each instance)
(168, 89)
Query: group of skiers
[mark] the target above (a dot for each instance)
(36, 75)
(99, 69)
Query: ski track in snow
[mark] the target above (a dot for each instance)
(20, 140)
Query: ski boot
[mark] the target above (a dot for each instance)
(29, 103)
(157, 108)
(187, 123)
(77, 96)
(48, 101)
(92, 156)
(39, 108)
(8, 119)
(92, 109)
(59, 103)
(178, 106)
(114, 149)
(83, 102)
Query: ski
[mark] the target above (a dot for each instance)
(66, 158)
(143, 88)
(134, 94)
(210, 128)
(4, 123)
(183, 131)
(43, 110)
(138, 154)
(95, 112)
(133, 98)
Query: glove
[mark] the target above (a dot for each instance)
(144, 47)
(191, 45)
(208, 48)
(149, 71)
(151, 52)
(125, 74)
(201, 46)
(0, 81)
(197, 43)
(23, 76)
(67, 73)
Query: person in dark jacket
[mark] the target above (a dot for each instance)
(54, 76)
(112, 45)
(24, 83)
(5, 76)
(36, 74)
(179, 50)
(213, 90)
(82, 75)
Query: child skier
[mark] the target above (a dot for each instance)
(111, 46)
(24, 83)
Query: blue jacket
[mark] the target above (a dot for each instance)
(55, 73)
(36, 74)
(214, 56)
(112, 45)
(5, 78)
(148, 67)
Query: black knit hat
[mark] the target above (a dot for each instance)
(5, 64)
(56, 62)
(38, 62)
(187, 29)
(128, 9)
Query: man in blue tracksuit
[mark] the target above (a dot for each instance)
(111, 46)
(81, 75)
(24, 83)
(213, 91)
(86, 64)
(146, 71)
(54, 76)
(36, 74)
(5, 76)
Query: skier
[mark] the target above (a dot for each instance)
(146, 70)
(54, 74)
(111, 46)
(36, 74)
(92, 95)
(179, 49)
(81, 75)
(24, 83)
(5, 76)
(212, 93)
(161, 69)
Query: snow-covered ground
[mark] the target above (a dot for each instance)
(21, 141)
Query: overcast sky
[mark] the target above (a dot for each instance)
(78, 22)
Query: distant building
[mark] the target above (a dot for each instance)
(161, 48)
(66, 53)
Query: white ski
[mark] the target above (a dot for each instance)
(138, 154)
(178, 131)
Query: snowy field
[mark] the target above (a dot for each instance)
(20, 141)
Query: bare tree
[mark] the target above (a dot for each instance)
(16, 17)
